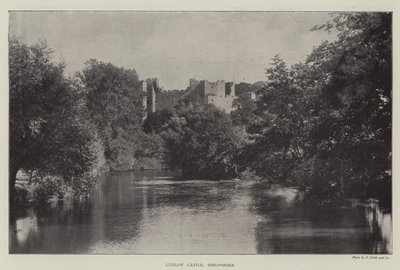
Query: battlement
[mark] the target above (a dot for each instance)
(193, 83)
(220, 93)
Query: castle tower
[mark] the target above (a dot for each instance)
(152, 85)
(143, 88)
(193, 83)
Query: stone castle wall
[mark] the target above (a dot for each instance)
(220, 93)
(168, 99)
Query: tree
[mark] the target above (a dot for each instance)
(115, 103)
(154, 122)
(327, 122)
(242, 87)
(200, 141)
(244, 109)
(356, 127)
(47, 130)
(279, 130)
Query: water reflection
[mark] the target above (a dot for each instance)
(380, 228)
(292, 225)
(152, 213)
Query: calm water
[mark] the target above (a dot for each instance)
(151, 213)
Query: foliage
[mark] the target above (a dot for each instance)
(154, 122)
(47, 187)
(201, 141)
(279, 131)
(242, 87)
(49, 131)
(38, 92)
(353, 134)
(326, 123)
(149, 153)
(244, 109)
(115, 104)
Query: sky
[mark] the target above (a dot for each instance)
(175, 46)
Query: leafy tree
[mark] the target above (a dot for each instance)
(154, 122)
(242, 87)
(201, 141)
(326, 123)
(48, 132)
(244, 109)
(355, 130)
(114, 101)
(279, 130)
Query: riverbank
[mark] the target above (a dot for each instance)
(28, 193)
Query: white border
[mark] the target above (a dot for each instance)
(251, 262)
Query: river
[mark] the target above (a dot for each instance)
(153, 213)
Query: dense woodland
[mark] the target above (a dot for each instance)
(323, 125)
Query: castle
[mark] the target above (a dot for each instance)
(156, 99)
(220, 93)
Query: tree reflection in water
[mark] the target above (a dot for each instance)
(290, 225)
(152, 213)
(380, 228)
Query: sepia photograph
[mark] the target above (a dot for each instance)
(200, 133)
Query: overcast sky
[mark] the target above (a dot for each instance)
(175, 46)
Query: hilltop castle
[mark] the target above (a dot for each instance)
(220, 93)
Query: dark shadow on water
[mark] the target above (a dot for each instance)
(292, 225)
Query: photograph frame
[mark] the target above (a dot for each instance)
(356, 261)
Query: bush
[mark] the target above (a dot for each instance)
(47, 187)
